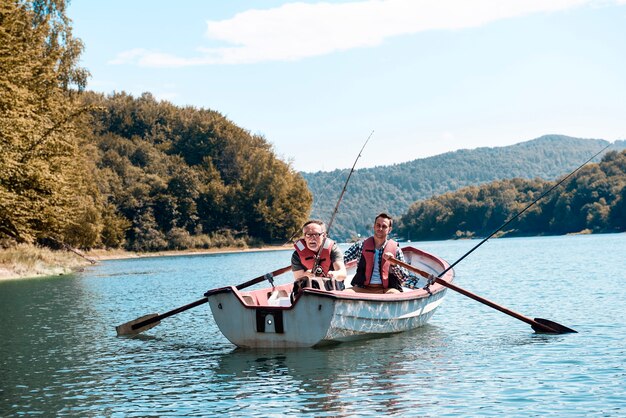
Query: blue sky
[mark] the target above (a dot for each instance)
(316, 78)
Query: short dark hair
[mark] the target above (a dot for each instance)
(385, 216)
(315, 221)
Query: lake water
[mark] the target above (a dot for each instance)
(59, 354)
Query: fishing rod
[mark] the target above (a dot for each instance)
(440, 275)
(345, 186)
(146, 322)
(538, 324)
(332, 218)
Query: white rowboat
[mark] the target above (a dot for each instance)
(267, 318)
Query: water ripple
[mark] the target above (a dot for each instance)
(59, 355)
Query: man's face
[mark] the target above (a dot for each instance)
(313, 236)
(382, 227)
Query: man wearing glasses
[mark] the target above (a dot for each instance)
(330, 263)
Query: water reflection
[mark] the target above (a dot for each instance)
(370, 377)
(59, 354)
(39, 352)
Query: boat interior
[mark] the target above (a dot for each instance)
(280, 296)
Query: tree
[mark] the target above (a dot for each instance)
(191, 175)
(43, 178)
(593, 200)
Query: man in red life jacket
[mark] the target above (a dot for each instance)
(374, 274)
(330, 264)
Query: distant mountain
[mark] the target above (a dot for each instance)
(394, 188)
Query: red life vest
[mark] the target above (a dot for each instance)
(307, 256)
(368, 253)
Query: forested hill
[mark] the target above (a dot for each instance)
(394, 188)
(86, 170)
(187, 177)
(592, 200)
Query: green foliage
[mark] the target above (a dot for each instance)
(139, 173)
(592, 201)
(114, 227)
(189, 178)
(44, 178)
(394, 188)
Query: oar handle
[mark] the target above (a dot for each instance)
(536, 325)
(259, 279)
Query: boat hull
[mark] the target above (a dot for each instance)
(354, 320)
(267, 318)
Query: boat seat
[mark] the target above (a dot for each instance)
(278, 298)
(248, 300)
(281, 294)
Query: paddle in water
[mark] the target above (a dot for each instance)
(144, 323)
(538, 324)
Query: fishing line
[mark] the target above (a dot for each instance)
(343, 191)
(326, 192)
(520, 212)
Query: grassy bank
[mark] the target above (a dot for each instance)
(30, 261)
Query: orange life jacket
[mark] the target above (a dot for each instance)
(307, 256)
(368, 253)
(365, 267)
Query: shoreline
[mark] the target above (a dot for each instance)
(103, 255)
(29, 262)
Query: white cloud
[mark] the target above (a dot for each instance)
(126, 56)
(146, 58)
(299, 30)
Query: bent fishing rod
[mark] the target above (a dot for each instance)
(332, 218)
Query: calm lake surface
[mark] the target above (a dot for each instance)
(59, 354)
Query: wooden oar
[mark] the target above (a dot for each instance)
(146, 322)
(538, 324)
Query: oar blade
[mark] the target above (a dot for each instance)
(126, 330)
(552, 327)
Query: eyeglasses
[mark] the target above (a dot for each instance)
(314, 235)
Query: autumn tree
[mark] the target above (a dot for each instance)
(187, 177)
(45, 187)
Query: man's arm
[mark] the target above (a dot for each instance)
(339, 267)
(354, 252)
(400, 272)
